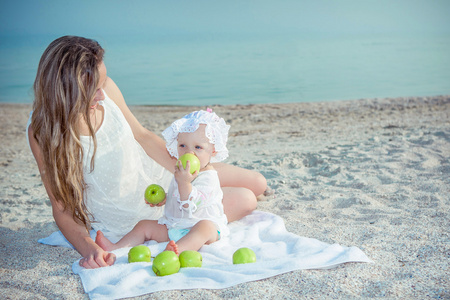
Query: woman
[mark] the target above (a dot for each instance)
(80, 114)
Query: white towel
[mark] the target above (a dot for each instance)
(277, 250)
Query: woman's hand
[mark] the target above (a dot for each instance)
(73, 231)
(97, 259)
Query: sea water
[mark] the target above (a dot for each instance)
(219, 69)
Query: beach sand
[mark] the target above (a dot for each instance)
(374, 174)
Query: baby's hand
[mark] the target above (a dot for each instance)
(159, 204)
(182, 175)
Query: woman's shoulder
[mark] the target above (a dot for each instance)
(113, 91)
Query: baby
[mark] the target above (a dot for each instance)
(193, 213)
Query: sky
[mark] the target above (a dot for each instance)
(83, 17)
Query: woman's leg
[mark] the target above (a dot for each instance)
(232, 176)
(240, 189)
(238, 202)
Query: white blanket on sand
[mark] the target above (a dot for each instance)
(277, 250)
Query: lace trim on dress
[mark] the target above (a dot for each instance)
(191, 206)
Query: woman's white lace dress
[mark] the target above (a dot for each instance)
(122, 172)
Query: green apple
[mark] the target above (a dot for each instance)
(244, 256)
(154, 194)
(193, 160)
(166, 263)
(189, 259)
(139, 253)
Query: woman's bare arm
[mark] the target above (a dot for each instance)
(153, 145)
(74, 232)
(240, 186)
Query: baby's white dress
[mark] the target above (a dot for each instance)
(122, 172)
(205, 203)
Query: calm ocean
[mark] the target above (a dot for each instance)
(207, 70)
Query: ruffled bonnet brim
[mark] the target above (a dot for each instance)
(216, 131)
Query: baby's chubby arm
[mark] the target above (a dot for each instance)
(205, 192)
(184, 180)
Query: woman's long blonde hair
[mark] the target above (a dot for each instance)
(66, 83)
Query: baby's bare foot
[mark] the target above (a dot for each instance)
(171, 246)
(103, 242)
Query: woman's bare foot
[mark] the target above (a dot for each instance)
(103, 242)
(171, 246)
(268, 193)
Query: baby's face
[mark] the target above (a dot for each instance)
(198, 144)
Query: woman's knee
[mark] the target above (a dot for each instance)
(249, 201)
(232, 176)
(238, 202)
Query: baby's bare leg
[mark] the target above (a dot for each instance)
(204, 232)
(143, 231)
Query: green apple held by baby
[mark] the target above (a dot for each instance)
(244, 256)
(166, 263)
(139, 253)
(193, 161)
(154, 194)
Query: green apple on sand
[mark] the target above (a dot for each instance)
(139, 253)
(154, 194)
(166, 263)
(189, 259)
(193, 160)
(244, 256)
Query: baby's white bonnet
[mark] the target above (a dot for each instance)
(216, 131)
